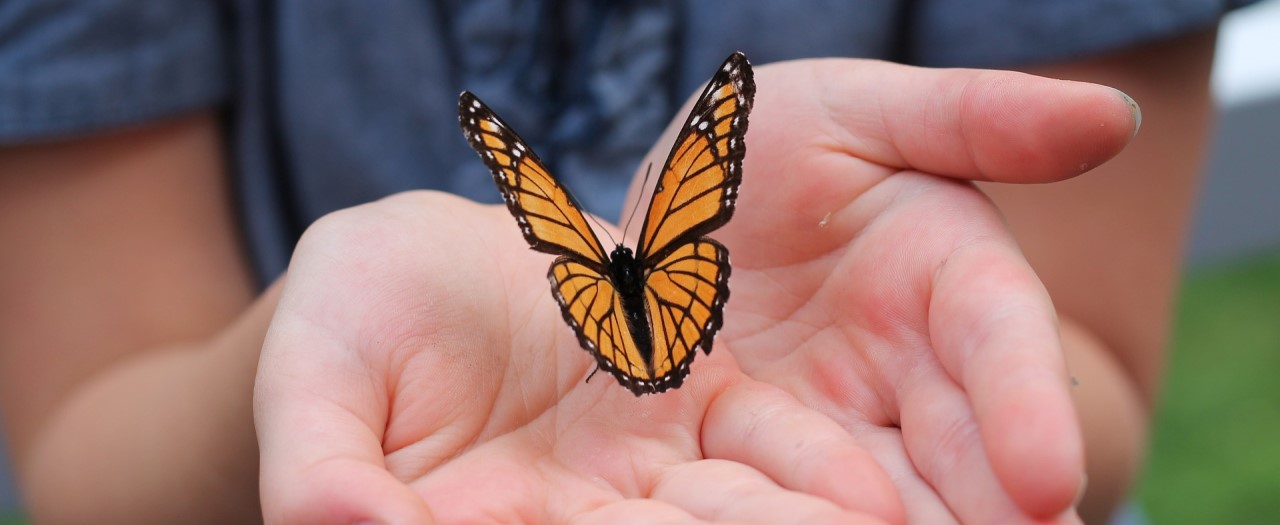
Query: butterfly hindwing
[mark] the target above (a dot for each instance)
(698, 186)
(685, 295)
(592, 306)
(548, 216)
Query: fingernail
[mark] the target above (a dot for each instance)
(1084, 484)
(1134, 110)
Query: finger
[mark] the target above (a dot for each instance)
(803, 450)
(994, 329)
(973, 124)
(321, 462)
(718, 490)
(922, 502)
(944, 443)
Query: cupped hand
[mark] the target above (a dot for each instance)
(418, 370)
(876, 285)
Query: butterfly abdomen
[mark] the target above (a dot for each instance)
(628, 277)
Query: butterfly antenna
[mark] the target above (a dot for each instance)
(636, 206)
(601, 227)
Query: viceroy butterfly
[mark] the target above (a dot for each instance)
(642, 314)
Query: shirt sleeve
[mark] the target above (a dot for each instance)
(75, 66)
(1006, 33)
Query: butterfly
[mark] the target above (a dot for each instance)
(642, 314)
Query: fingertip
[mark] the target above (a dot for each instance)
(1037, 451)
(1023, 128)
(1101, 119)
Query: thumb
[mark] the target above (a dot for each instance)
(320, 436)
(998, 126)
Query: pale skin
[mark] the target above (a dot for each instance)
(900, 361)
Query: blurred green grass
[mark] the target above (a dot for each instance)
(1215, 452)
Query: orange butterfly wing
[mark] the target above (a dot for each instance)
(698, 186)
(684, 296)
(592, 306)
(547, 213)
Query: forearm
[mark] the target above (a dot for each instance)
(164, 437)
(129, 328)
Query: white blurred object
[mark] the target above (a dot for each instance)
(1237, 216)
(1247, 65)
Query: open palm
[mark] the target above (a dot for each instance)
(878, 289)
(417, 364)
(417, 356)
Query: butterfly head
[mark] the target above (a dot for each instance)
(626, 270)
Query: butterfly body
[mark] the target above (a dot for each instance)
(642, 313)
(628, 277)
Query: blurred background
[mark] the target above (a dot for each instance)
(1215, 455)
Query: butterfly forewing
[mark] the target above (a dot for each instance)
(548, 217)
(698, 186)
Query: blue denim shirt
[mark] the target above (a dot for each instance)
(331, 103)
